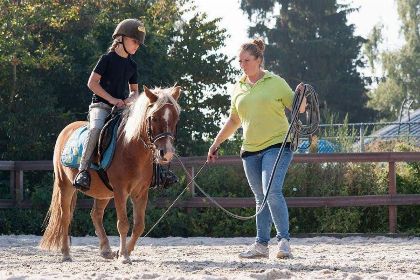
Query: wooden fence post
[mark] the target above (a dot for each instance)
(392, 190)
(19, 187)
(191, 186)
(191, 182)
(12, 186)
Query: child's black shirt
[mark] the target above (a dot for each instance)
(116, 72)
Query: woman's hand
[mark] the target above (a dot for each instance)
(232, 124)
(301, 89)
(212, 153)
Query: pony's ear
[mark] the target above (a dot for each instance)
(152, 97)
(176, 92)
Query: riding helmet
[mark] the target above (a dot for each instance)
(132, 28)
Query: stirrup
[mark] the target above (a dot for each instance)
(168, 178)
(162, 177)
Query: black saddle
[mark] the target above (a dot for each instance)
(112, 123)
(106, 137)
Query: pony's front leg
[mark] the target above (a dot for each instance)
(120, 200)
(97, 215)
(139, 209)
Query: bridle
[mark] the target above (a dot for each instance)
(153, 138)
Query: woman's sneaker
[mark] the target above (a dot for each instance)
(284, 249)
(256, 250)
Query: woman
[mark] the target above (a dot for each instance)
(258, 102)
(109, 80)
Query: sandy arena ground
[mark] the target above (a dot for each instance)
(215, 259)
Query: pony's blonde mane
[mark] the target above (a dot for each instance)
(136, 115)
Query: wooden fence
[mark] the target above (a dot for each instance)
(392, 199)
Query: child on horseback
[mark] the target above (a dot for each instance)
(108, 82)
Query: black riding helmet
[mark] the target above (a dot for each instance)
(132, 28)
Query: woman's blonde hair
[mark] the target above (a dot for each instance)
(256, 48)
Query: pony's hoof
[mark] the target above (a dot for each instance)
(66, 259)
(108, 255)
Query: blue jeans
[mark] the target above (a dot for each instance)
(258, 168)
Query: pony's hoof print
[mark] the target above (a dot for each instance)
(108, 255)
(66, 259)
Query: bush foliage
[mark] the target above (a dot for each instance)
(328, 179)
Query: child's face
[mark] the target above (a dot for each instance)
(131, 45)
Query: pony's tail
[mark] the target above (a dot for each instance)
(57, 227)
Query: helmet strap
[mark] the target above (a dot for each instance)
(122, 43)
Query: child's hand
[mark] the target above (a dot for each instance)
(117, 102)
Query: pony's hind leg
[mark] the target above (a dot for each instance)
(68, 203)
(139, 209)
(97, 215)
(56, 235)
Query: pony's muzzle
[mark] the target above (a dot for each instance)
(165, 156)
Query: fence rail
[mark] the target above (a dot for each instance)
(392, 199)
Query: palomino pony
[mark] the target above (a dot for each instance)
(146, 133)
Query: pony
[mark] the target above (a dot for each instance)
(146, 134)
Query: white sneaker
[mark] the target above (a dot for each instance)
(256, 250)
(284, 249)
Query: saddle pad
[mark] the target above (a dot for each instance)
(72, 152)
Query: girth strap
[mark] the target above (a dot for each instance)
(104, 177)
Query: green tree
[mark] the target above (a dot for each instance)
(58, 43)
(371, 46)
(310, 41)
(400, 81)
(203, 73)
(31, 70)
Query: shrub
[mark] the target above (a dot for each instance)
(327, 179)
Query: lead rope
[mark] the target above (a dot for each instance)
(176, 199)
(233, 215)
(313, 120)
(295, 127)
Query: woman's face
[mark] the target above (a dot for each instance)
(249, 63)
(131, 45)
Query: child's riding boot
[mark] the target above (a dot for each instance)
(82, 179)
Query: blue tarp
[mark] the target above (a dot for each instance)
(324, 146)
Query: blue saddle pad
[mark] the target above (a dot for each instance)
(72, 152)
